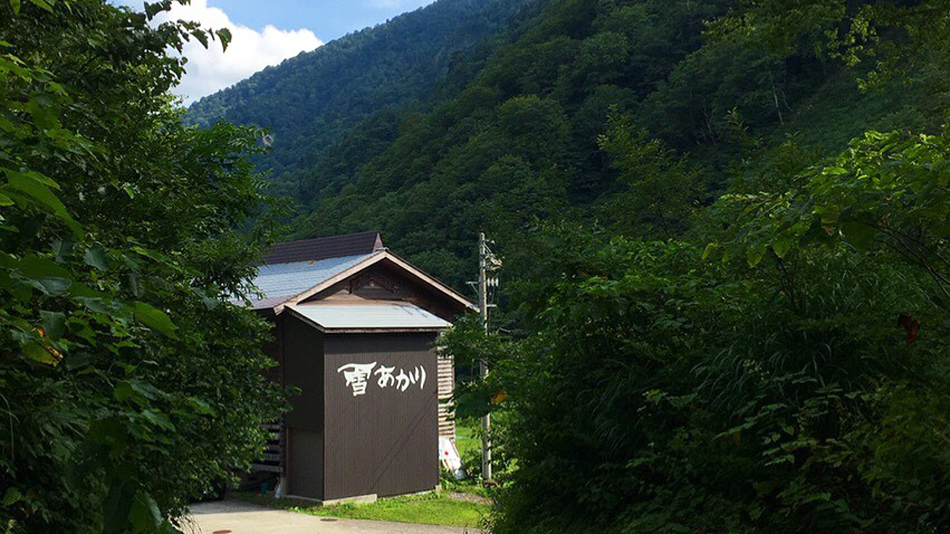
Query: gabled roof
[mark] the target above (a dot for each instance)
(322, 248)
(290, 282)
(283, 281)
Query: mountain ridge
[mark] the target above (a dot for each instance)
(311, 100)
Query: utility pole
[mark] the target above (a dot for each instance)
(483, 255)
(488, 264)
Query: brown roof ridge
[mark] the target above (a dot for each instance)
(321, 248)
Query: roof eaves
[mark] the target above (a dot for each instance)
(268, 303)
(372, 259)
(305, 319)
(431, 280)
(375, 258)
(340, 276)
(360, 330)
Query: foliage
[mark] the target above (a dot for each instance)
(124, 369)
(796, 383)
(891, 35)
(660, 393)
(517, 144)
(891, 189)
(723, 295)
(661, 190)
(515, 140)
(313, 101)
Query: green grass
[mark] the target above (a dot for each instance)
(469, 445)
(431, 509)
(466, 438)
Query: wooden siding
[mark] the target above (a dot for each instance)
(385, 281)
(274, 457)
(304, 368)
(384, 442)
(305, 449)
(446, 390)
(275, 447)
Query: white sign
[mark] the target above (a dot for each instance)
(449, 456)
(358, 377)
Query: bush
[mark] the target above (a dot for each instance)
(661, 393)
(129, 382)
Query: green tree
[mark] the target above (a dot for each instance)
(796, 384)
(660, 191)
(655, 392)
(894, 37)
(129, 381)
(888, 191)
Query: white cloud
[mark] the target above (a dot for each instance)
(209, 70)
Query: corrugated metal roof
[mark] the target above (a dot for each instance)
(291, 279)
(321, 248)
(370, 316)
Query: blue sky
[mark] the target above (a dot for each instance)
(328, 19)
(268, 32)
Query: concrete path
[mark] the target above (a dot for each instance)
(234, 517)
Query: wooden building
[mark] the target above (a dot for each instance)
(355, 327)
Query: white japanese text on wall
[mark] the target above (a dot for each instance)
(360, 376)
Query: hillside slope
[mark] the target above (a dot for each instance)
(519, 143)
(310, 101)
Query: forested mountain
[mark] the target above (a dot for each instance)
(724, 300)
(312, 100)
(520, 141)
(725, 292)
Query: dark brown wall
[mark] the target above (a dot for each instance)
(385, 441)
(304, 368)
(305, 476)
